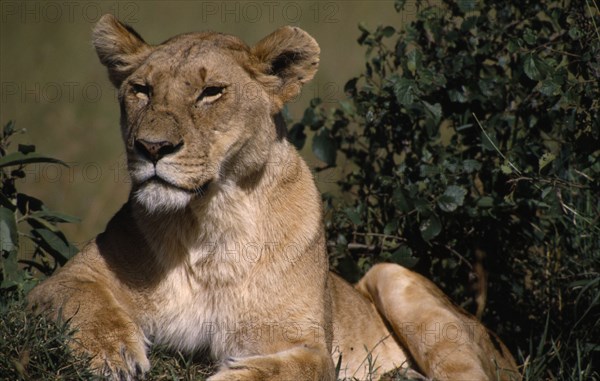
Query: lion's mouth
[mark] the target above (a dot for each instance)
(201, 190)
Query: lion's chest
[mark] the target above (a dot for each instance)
(190, 316)
(202, 303)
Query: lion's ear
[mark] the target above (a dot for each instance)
(119, 48)
(292, 55)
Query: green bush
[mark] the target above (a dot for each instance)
(31, 347)
(50, 246)
(470, 150)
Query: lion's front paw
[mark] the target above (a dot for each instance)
(121, 363)
(242, 369)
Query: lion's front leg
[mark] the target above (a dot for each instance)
(297, 363)
(103, 328)
(117, 344)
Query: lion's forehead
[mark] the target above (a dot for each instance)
(192, 65)
(211, 40)
(201, 47)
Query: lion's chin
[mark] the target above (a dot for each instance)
(156, 197)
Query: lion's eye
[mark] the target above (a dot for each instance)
(210, 94)
(141, 91)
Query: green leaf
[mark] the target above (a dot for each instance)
(546, 159)
(6, 202)
(457, 96)
(400, 201)
(413, 60)
(575, 33)
(405, 91)
(429, 170)
(353, 215)
(324, 147)
(506, 169)
(38, 222)
(489, 141)
(309, 117)
(549, 88)
(453, 197)
(485, 202)
(55, 245)
(530, 37)
(9, 128)
(404, 257)
(347, 107)
(26, 148)
(350, 86)
(12, 275)
(446, 203)
(429, 77)
(28, 204)
(9, 238)
(532, 67)
(388, 31)
(467, 5)
(297, 136)
(315, 102)
(55, 217)
(19, 158)
(546, 191)
(391, 227)
(512, 46)
(430, 228)
(422, 206)
(399, 5)
(471, 166)
(457, 193)
(434, 111)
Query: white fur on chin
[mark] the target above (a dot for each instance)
(156, 197)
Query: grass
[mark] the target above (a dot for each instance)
(34, 348)
(167, 365)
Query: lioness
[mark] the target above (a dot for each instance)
(221, 244)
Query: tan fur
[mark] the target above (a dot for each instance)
(221, 244)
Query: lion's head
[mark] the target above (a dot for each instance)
(198, 109)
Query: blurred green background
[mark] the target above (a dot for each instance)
(53, 85)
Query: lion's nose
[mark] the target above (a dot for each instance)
(154, 151)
